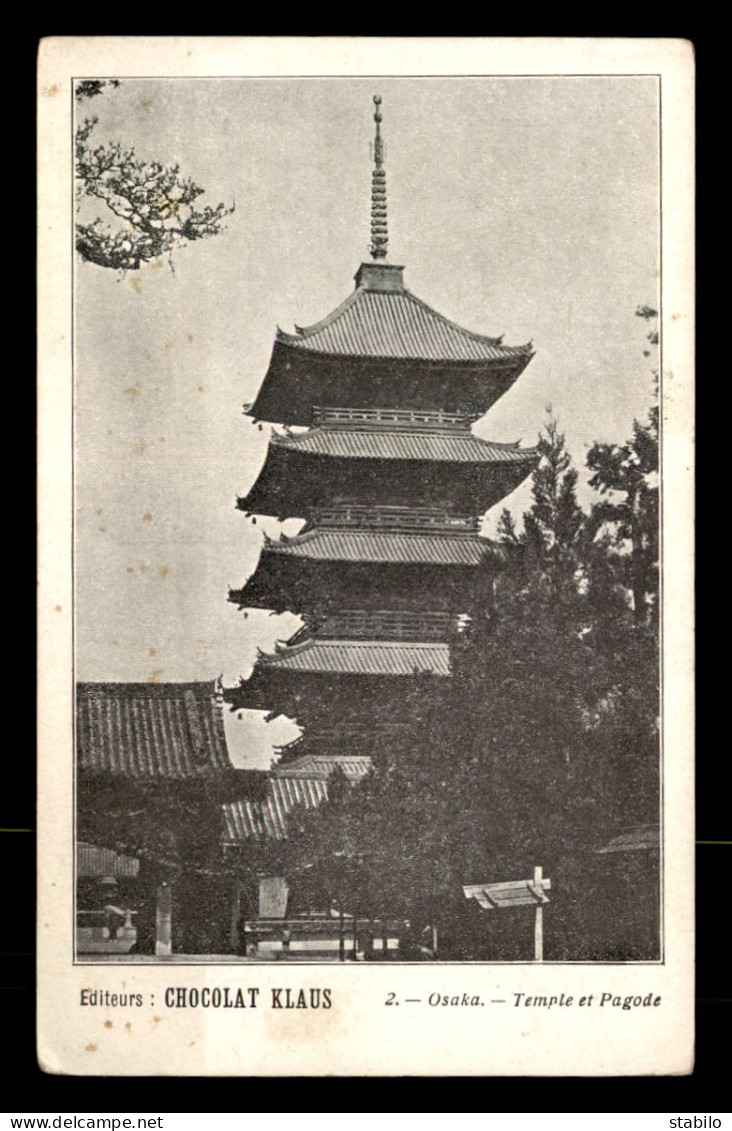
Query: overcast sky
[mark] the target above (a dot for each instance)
(526, 207)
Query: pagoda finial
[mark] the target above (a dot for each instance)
(379, 233)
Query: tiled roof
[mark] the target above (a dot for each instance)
(304, 782)
(148, 730)
(388, 546)
(95, 860)
(322, 766)
(362, 657)
(259, 820)
(406, 445)
(396, 324)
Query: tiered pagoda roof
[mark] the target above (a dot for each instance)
(390, 480)
(407, 444)
(363, 557)
(405, 345)
(316, 681)
(383, 319)
(304, 472)
(361, 657)
(397, 546)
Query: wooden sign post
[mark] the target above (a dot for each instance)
(539, 918)
(516, 893)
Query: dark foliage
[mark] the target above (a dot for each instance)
(545, 748)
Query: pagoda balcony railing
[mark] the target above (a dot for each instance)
(385, 624)
(423, 519)
(427, 420)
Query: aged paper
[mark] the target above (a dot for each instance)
(512, 894)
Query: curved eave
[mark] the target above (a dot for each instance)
(304, 696)
(407, 445)
(298, 378)
(386, 547)
(284, 582)
(382, 318)
(315, 327)
(327, 665)
(293, 481)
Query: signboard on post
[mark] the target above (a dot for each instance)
(516, 893)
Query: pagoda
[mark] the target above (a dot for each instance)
(377, 455)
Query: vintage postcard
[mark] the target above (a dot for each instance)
(366, 709)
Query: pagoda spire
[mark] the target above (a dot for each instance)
(379, 233)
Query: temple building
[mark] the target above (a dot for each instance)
(153, 772)
(377, 455)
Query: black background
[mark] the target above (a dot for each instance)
(25, 1087)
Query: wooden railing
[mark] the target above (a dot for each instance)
(339, 938)
(385, 624)
(424, 519)
(422, 419)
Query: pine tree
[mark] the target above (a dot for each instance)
(553, 522)
(153, 205)
(627, 517)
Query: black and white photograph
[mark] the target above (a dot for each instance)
(368, 529)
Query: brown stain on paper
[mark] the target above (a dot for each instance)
(147, 517)
(133, 391)
(137, 285)
(163, 572)
(91, 1048)
(154, 677)
(108, 1025)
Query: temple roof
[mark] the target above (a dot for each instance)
(98, 860)
(383, 319)
(303, 474)
(388, 546)
(407, 444)
(322, 766)
(304, 782)
(259, 820)
(361, 657)
(148, 730)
